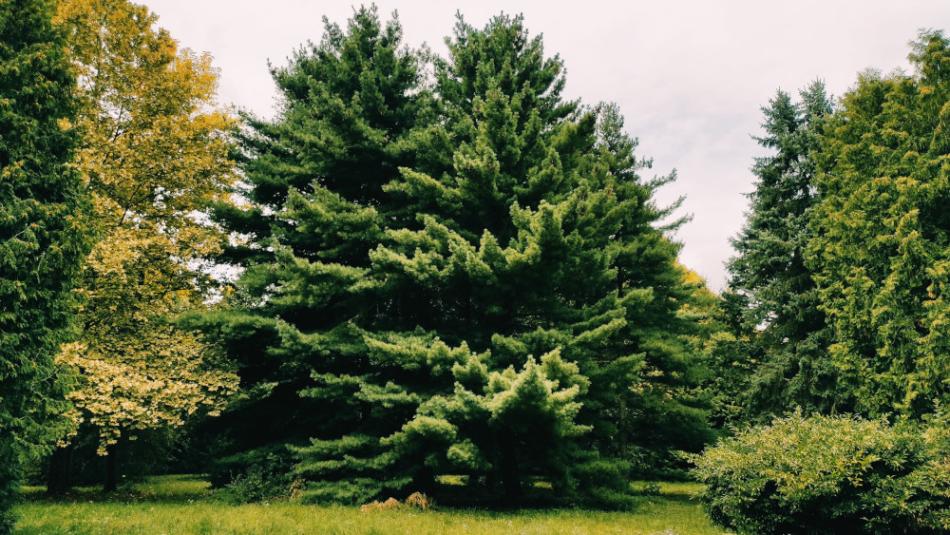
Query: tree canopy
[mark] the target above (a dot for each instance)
(457, 275)
(881, 246)
(439, 274)
(769, 272)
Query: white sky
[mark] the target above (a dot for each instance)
(689, 76)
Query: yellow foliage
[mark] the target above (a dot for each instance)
(154, 154)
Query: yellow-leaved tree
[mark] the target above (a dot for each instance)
(154, 154)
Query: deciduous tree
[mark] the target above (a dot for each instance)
(154, 154)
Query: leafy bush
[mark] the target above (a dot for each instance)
(255, 476)
(605, 481)
(258, 485)
(650, 488)
(275, 458)
(830, 475)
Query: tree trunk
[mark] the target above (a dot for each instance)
(424, 481)
(509, 471)
(58, 477)
(112, 475)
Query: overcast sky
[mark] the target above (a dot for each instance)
(689, 76)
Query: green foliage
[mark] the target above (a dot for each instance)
(259, 484)
(881, 245)
(830, 475)
(841, 271)
(41, 233)
(274, 460)
(780, 327)
(650, 488)
(732, 357)
(464, 275)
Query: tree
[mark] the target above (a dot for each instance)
(42, 233)
(458, 276)
(647, 384)
(155, 153)
(880, 246)
(781, 315)
(350, 106)
(732, 356)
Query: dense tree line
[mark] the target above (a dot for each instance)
(882, 237)
(839, 279)
(838, 309)
(445, 270)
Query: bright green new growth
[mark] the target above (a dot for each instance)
(830, 475)
(459, 275)
(864, 321)
(881, 246)
(41, 236)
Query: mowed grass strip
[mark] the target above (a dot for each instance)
(183, 505)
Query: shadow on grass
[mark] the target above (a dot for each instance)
(451, 495)
(170, 489)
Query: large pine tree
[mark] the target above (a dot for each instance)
(466, 276)
(313, 186)
(41, 236)
(788, 337)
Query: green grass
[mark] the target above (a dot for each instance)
(184, 505)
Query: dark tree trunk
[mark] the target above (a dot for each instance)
(491, 481)
(58, 477)
(112, 473)
(425, 481)
(509, 471)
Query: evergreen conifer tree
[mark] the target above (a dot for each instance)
(781, 314)
(313, 185)
(466, 276)
(41, 233)
(881, 237)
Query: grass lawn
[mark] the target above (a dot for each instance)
(180, 505)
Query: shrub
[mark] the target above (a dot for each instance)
(830, 475)
(258, 485)
(650, 488)
(606, 483)
(256, 476)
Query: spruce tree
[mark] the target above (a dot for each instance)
(881, 237)
(467, 276)
(782, 317)
(41, 233)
